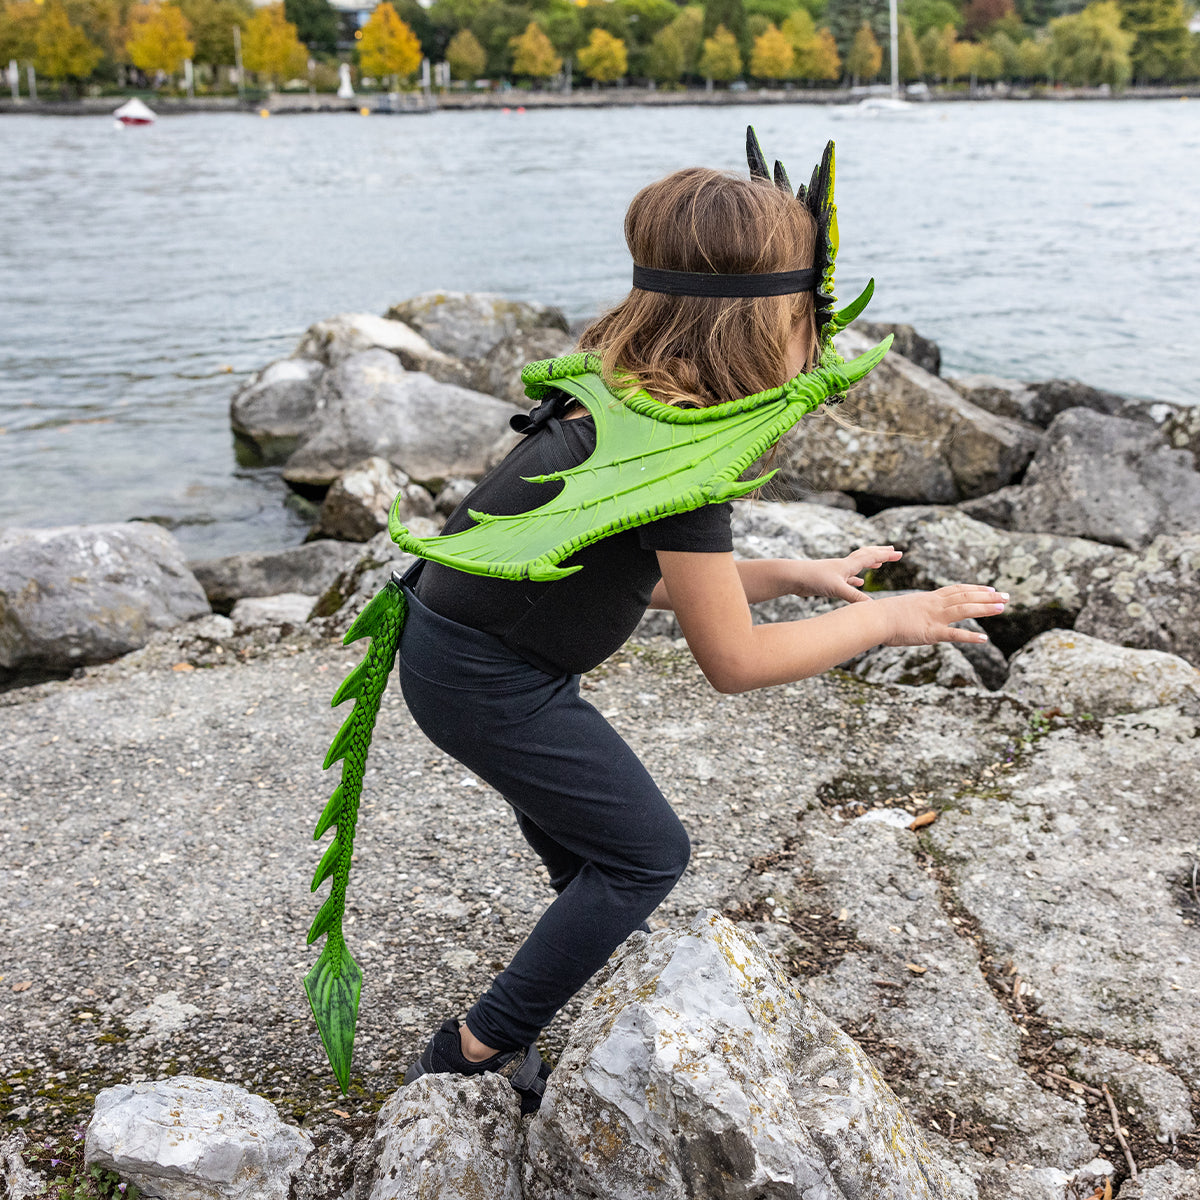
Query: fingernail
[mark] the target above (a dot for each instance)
(1004, 594)
(998, 607)
(981, 637)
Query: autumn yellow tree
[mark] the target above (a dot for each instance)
(388, 46)
(773, 56)
(158, 39)
(63, 51)
(271, 47)
(534, 54)
(815, 53)
(721, 60)
(865, 57)
(604, 58)
(19, 20)
(467, 58)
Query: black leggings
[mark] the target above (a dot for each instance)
(612, 844)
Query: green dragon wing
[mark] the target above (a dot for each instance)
(651, 460)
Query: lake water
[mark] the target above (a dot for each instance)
(144, 273)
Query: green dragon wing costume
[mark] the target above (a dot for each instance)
(651, 460)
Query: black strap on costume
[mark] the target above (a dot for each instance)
(554, 405)
(698, 283)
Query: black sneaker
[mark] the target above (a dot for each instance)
(444, 1055)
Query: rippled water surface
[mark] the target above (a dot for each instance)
(143, 273)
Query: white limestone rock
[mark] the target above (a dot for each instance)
(450, 1137)
(82, 594)
(469, 324)
(369, 405)
(697, 1068)
(255, 612)
(1079, 674)
(195, 1139)
(332, 341)
(270, 409)
(358, 502)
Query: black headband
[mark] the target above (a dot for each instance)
(697, 283)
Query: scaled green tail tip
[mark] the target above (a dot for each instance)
(333, 998)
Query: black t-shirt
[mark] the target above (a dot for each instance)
(566, 626)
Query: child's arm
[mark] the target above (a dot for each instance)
(767, 578)
(710, 603)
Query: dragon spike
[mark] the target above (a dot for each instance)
(329, 915)
(860, 367)
(782, 182)
(367, 623)
(352, 686)
(754, 156)
(334, 986)
(840, 319)
(332, 811)
(328, 863)
(342, 741)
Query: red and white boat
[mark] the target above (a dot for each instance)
(134, 112)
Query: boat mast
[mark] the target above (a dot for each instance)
(895, 31)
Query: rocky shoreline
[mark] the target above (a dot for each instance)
(978, 862)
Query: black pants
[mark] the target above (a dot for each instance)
(610, 841)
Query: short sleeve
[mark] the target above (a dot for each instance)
(705, 530)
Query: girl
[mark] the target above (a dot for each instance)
(490, 667)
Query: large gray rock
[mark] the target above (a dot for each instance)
(1152, 1095)
(195, 1139)
(358, 502)
(20, 1182)
(934, 1013)
(446, 1137)
(469, 324)
(1150, 601)
(312, 567)
(944, 665)
(370, 406)
(909, 343)
(86, 593)
(499, 374)
(1108, 479)
(698, 1068)
(904, 434)
(1169, 1181)
(258, 612)
(269, 410)
(1068, 670)
(1182, 431)
(334, 340)
(1004, 397)
(1057, 395)
(1047, 577)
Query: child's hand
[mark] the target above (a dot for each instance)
(923, 618)
(840, 578)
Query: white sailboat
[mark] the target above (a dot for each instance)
(893, 103)
(134, 112)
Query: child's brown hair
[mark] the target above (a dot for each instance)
(706, 350)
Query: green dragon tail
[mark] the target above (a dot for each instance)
(335, 982)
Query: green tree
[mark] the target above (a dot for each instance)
(647, 17)
(729, 15)
(815, 53)
(270, 46)
(605, 58)
(388, 47)
(211, 23)
(776, 11)
(664, 61)
(773, 56)
(467, 58)
(988, 65)
(1032, 61)
(158, 39)
(846, 18)
(937, 52)
(689, 27)
(1162, 47)
(534, 54)
(316, 22)
(924, 15)
(19, 20)
(865, 57)
(63, 51)
(911, 67)
(102, 21)
(721, 59)
(1090, 47)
